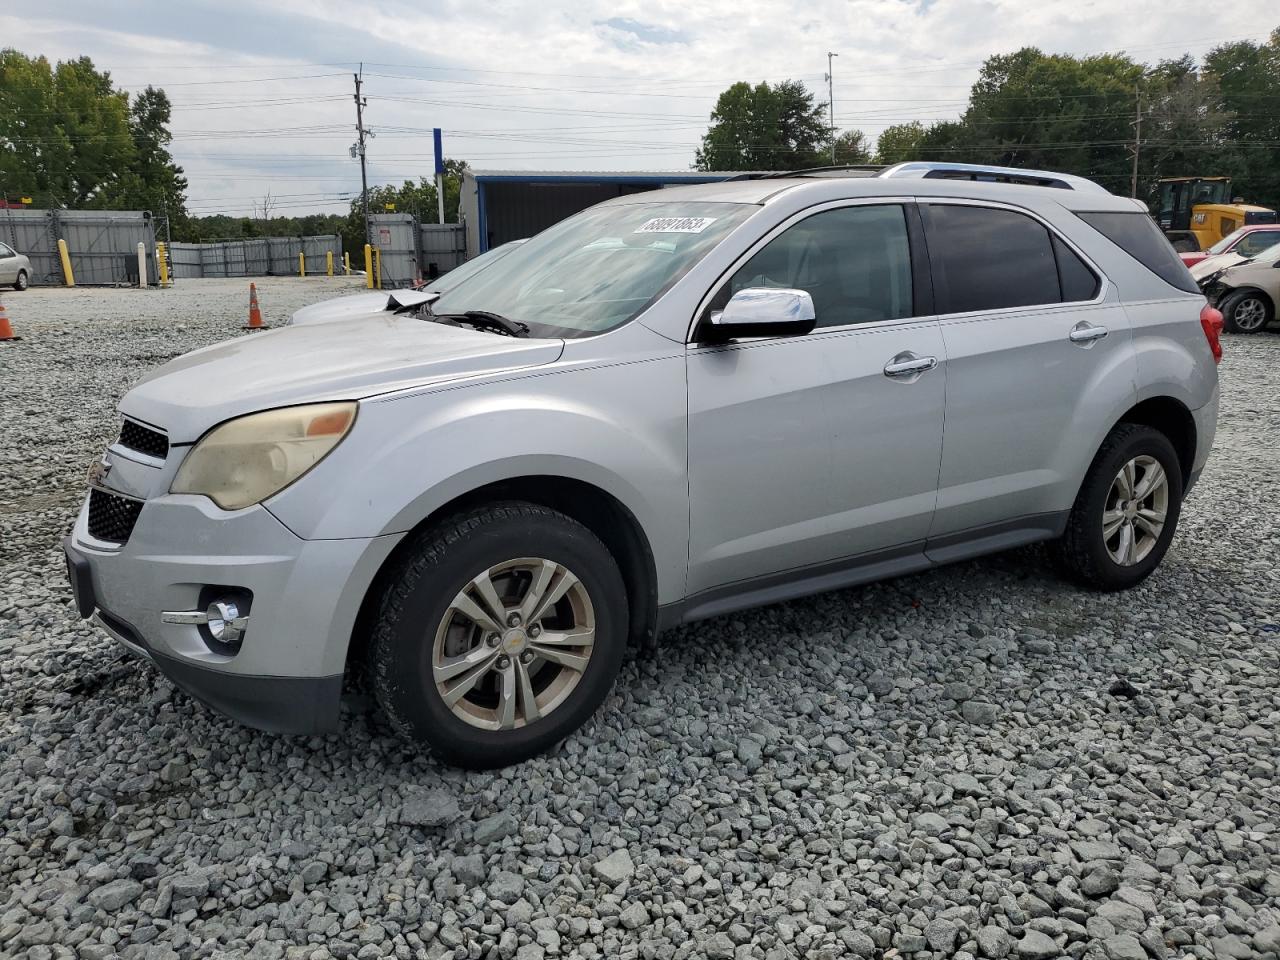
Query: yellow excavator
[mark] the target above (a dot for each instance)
(1197, 212)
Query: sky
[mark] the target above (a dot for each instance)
(263, 94)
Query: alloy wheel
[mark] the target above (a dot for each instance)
(1133, 516)
(513, 644)
(1250, 314)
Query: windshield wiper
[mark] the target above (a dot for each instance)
(484, 320)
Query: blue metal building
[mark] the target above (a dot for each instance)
(502, 205)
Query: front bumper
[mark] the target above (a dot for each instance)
(305, 595)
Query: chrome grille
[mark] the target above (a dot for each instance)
(111, 517)
(143, 439)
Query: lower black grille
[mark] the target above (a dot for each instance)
(143, 439)
(111, 517)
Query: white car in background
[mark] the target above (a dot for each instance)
(363, 304)
(15, 268)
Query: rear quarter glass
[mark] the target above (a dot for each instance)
(1137, 235)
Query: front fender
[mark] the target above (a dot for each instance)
(620, 428)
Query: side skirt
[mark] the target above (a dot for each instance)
(864, 568)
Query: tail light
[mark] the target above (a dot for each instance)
(1211, 322)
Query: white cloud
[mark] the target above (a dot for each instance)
(523, 84)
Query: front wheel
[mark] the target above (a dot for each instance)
(1126, 511)
(21, 282)
(1245, 312)
(500, 634)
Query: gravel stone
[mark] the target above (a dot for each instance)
(431, 808)
(615, 868)
(634, 916)
(994, 942)
(936, 763)
(1124, 946)
(1035, 945)
(116, 894)
(495, 828)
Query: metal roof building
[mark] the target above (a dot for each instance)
(502, 205)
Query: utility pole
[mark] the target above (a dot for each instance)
(831, 105)
(360, 134)
(1137, 141)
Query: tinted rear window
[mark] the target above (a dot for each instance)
(1137, 235)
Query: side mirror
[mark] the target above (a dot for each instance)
(761, 312)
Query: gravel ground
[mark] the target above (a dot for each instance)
(979, 761)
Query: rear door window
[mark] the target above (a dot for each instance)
(985, 258)
(1137, 235)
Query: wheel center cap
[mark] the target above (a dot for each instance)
(514, 641)
(1131, 509)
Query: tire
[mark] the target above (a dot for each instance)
(1085, 551)
(420, 628)
(1246, 311)
(21, 282)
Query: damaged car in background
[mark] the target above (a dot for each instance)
(1244, 289)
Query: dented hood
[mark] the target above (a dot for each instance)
(344, 360)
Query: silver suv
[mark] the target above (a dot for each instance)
(671, 406)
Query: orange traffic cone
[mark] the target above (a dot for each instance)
(255, 315)
(6, 329)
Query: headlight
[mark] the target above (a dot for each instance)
(246, 460)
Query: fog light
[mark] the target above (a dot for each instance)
(224, 621)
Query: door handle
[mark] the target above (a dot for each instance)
(1085, 332)
(907, 364)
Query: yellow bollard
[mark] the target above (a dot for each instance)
(162, 264)
(67, 274)
(346, 264)
(368, 266)
(328, 263)
(377, 265)
(302, 264)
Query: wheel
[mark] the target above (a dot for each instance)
(1245, 311)
(1126, 511)
(500, 633)
(21, 282)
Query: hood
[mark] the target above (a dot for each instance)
(1215, 263)
(361, 305)
(347, 360)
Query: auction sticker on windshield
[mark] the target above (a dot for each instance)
(676, 225)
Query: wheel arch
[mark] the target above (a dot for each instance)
(1173, 418)
(595, 508)
(1256, 291)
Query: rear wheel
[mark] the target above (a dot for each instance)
(500, 634)
(1245, 311)
(1126, 511)
(21, 282)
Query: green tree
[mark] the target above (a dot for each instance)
(852, 148)
(1247, 75)
(765, 127)
(900, 142)
(65, 130)
(413, 197)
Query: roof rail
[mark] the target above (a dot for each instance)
(926, 170)
(851, 169)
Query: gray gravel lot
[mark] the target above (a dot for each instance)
(979, 761)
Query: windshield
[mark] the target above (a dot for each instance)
(473, 266)
(597, 270)
(1223, 245)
